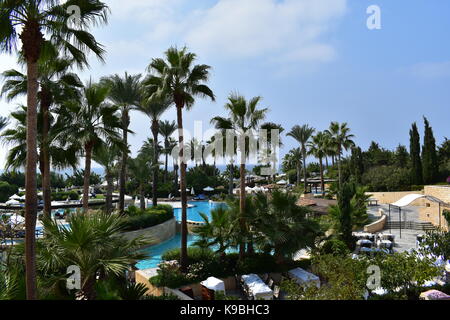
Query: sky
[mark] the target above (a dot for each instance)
(312, 61)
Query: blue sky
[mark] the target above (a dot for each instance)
(313, 61)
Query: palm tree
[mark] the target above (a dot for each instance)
(106, 156)
(15, 137)
(30, 17)
(140, 169)
(180, 80)
(244, 118)
(318, 148)
(125, 93)
(154, 109)
(294, 159)
(91, 121)
(342, 140)
(94, 243)
(56, 84)
(302, 134)
(282, 225)
(166, 129)
(271, 155)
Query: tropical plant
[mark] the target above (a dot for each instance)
(94, 243)
(140, 171)
(293, 159)
(26, 19)
(215, 231)
(167, 129)
(90, 122)
(244, 118)
(181, 81)
(317, 147)
(106, 156)
(342, 140)
(124, 92)
(279, 224)
(154, 108)
(302, 134)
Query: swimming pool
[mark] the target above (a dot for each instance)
(155, 252)
(193, 213)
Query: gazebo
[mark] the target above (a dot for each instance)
(408, 199)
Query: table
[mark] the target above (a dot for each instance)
(304, 277)
(256, 287)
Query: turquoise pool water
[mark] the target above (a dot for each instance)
(193, 213)
(155, 252)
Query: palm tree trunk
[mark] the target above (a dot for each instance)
(231, 184)
(184, 231)
(46, 187)
(322, 184)
(109, 191)
(166, 160)
(242, 208)
(299, 170)
(304, 172)
(30, 180)
(123, 165)
(155, 163)
(142, 197)
(326, 162)
(339, 167)
(87, 176)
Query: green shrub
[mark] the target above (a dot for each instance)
(63, 195)
(195, 255)
(7, 190)
(257, 263)
(335, 247)
(137, 219)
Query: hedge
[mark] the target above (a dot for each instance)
(137, 219)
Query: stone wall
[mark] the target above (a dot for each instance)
(158, 233)
(430, 212)
(391, 197)
(376, 226)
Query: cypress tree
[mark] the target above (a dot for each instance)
(429, 155)
(414, 150)
(345, 196)
(357, 164)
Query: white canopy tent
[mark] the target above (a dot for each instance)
(408, 199)
(15, 197)
(282, 182)
(208, 188)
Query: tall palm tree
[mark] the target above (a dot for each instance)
(244, 118)
(30, 18)
(318, 148)
(178, 78)
(166, 129)
(106, 156)
(91, 121)
(125, 93)
(342, 140)
(154, 108)
(56, 84)
(302, 134)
